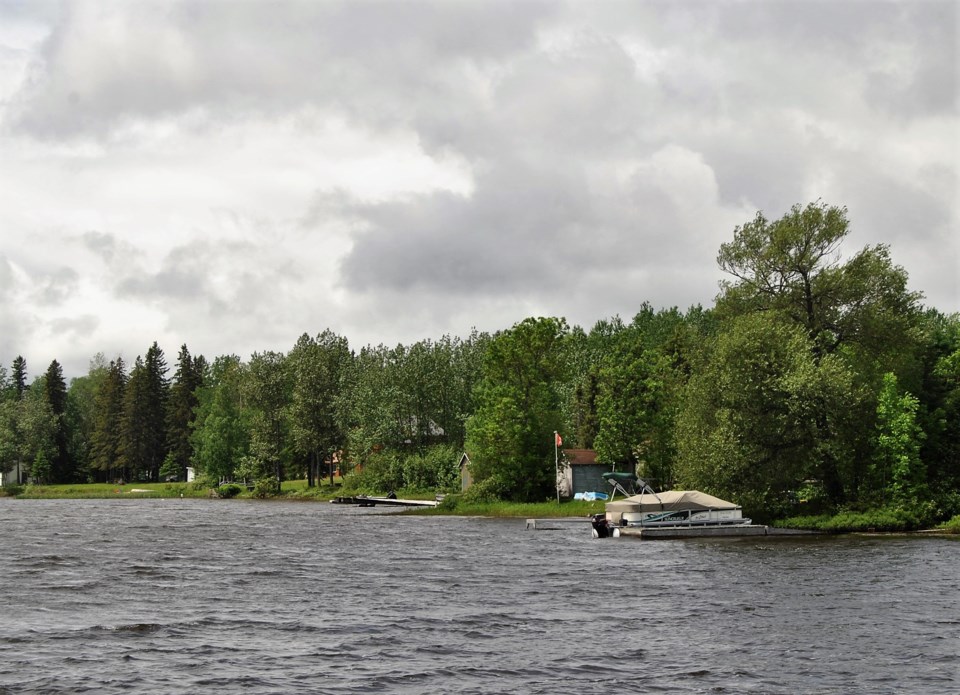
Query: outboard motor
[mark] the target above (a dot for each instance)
(600, 528)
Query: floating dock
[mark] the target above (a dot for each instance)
(555, 523)
(364, 501)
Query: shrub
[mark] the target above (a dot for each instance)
(485, 491)
(11, 490)
(951, 526)
(265, 487)
(229, 490)
(449, 503)
(884, 519)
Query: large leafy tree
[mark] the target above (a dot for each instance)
(859, 309)
(81, 416)
(750, 422)
(793, 266)
(510, 436)
(28, 435)
(939, 395)
(896, 464)
(369, 409)
(633, 420)
(266, 392)
(317, 368)
(221, 435)
(38, 426)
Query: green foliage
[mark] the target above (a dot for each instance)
(106, 436)
(382, 473)
(951, 526)
(171, 468)
(318, 369)
(749, 421)
(266, 487)
(449, 503)
(265, 387)
(229, 490)
(220, 439)
(11, 490)
(510, 435)
(28, 430)
(897, 470)
(487, 491)
(885, 519)
(60, 467)
(181, 404)
(432, 471)
(791, 266)
(142, 441)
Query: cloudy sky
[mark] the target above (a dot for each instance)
(231, 175)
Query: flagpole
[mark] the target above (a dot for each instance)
(556, 463)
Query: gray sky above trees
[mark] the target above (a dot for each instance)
(233, 174)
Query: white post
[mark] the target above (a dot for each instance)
(556, 464)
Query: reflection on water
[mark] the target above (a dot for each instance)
(186, 596)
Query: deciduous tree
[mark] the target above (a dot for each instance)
(510, 436)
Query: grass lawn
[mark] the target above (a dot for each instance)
(298, 490)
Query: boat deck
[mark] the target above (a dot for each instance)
(664, 533)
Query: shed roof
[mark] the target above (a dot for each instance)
(580, 457)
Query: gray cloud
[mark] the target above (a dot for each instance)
(602, 152)
(58, 286)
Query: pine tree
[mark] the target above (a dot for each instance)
(143, 439)
(19, 376)
(61, 468)
(106, 436)
(180, 410)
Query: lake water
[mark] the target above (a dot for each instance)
(193, 596)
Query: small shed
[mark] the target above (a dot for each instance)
(466, 480)
(580, 472)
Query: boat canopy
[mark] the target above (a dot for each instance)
(670, 501)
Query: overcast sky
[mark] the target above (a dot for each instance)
(231, 175)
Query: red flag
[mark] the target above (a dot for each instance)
(559, 439)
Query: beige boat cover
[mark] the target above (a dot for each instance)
(669, 501)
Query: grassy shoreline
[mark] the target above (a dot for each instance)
(297, 490)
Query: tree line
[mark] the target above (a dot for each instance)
(815, 376)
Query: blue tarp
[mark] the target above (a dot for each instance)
(591, 496)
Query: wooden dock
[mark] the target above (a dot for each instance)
(365, 501)
(556, 523)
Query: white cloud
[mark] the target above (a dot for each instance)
(231, 175)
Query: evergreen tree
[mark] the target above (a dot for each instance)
(18, 377)
(61, 467)
(106, 437)
(143, 445)
(180, 411)
(81, 417)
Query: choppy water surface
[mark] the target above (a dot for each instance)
(188, 596)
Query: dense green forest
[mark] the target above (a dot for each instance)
(817, 378)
